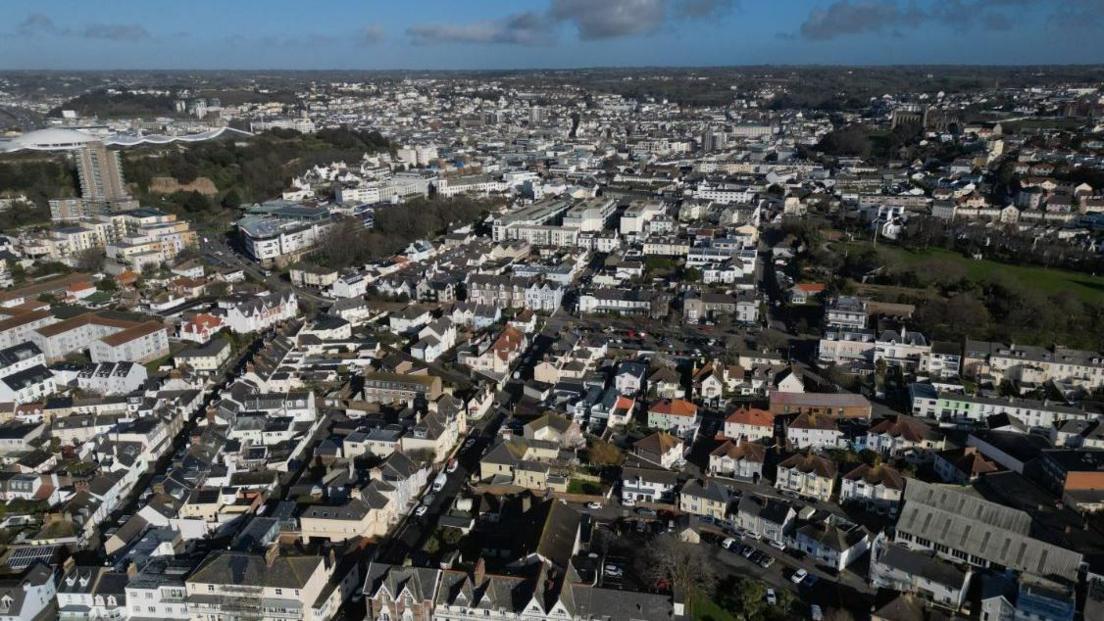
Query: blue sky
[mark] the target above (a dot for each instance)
(502, 34)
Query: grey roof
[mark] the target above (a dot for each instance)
(923, 564)
(963, 521)
(421, 582)
(241, 568)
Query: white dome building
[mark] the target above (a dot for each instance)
(49, 139)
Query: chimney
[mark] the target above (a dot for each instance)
(272, 553)
(132, 569)
(69, 564)
(479, 572)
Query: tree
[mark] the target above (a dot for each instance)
(772, 340)
(90, 260)
(603, 453)
(232, 200)
(685, 566)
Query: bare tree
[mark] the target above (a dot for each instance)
(685, 566)
(90, 260)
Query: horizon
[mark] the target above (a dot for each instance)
(524, 35)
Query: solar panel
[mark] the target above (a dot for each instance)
(21, 558)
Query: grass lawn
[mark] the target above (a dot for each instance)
(1088, 288)
(705, 609)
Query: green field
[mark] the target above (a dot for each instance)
(1089, 288)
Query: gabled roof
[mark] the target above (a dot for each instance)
(744, 450)
(674, 407)
(881, 474)
(751, 416)
(821, 466)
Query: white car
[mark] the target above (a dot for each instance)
(778, 544)
(772, 599)
(728, 543)
(421, 510)
(594, 505)
(798, 576)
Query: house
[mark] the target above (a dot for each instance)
(561, 430)
(29, 594)
(498, 358)
(529, 463)
(814, 431)
(807, 475)
(879, 488)
(749, 424)
(903, 436)
(962, 465)
(806, 292)
(90, 592)
(846, 311)
(256, 313)
(675, 415)
(743, 459)
(206, 358)
(409, 320)
(394, 592)
(660, 448)
(895, 567)
(651, 485)
(832, 545)
(769, 518)
(707, 306)
(308, 584)
(111, 378)
(665, 383)
(629, 377)
(200, 327)
(709, 498)
(434, 339)
(710, 382)
(367, 516)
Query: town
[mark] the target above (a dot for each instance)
(648, 345)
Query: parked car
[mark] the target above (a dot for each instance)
(772, 599)
(815, 613)
(645, 512)
(452, 466)
(766, 561)
(778, 544)
(421, 510)
(728, 543)
(594, 505)
(798, 576)
(428, 499)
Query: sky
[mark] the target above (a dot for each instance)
(522, 34)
